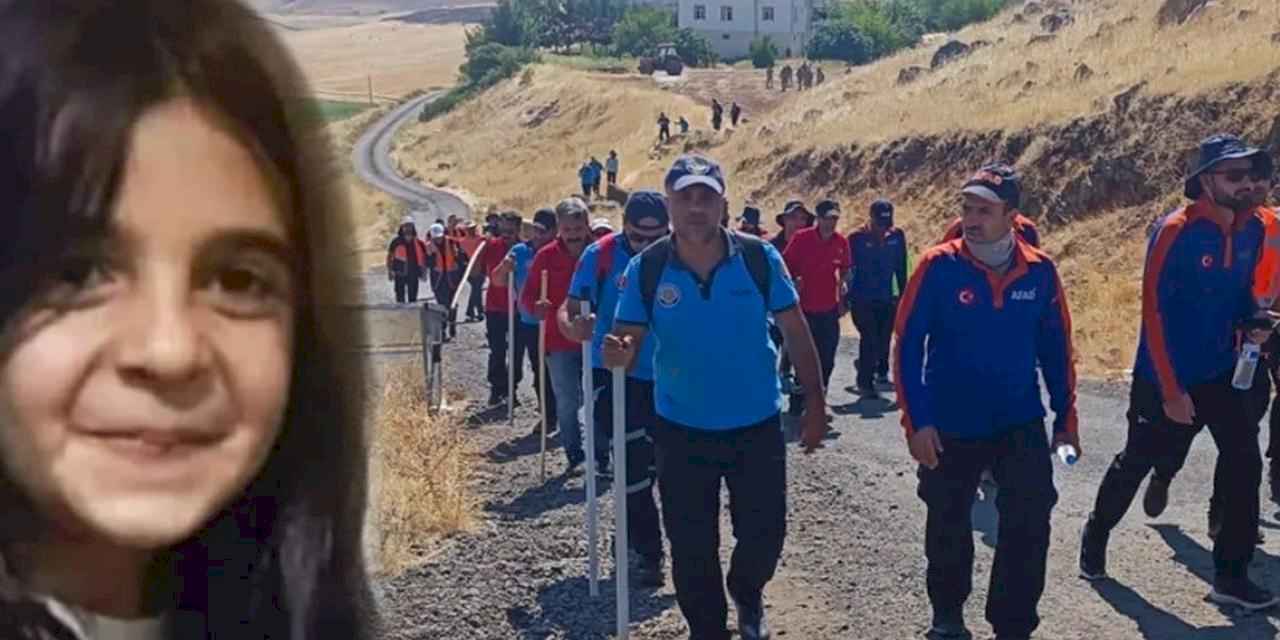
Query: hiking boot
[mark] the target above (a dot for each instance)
(883, 380)
(496, 398)
(751, 620)
(648, 571)
(949, 624)
(575, 464)
(603, 470)
(1156, 497)
(868, 391)
(1242, 592)
(1093, 553)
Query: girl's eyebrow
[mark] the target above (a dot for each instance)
(223, 241)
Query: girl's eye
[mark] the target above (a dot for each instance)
(79, 281)
(249, 290)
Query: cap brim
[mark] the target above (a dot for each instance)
(688, 181)
(982, 192)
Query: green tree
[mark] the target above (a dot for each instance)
(840, 40)
(763, 52)
(641, 30)
(694, 49)
(491, 63)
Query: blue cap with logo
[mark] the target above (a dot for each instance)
(647, 210)
(692, 169)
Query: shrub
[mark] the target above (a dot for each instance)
(763, 52)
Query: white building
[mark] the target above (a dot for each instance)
(731, 25)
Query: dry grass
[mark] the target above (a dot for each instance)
(399, 57)
(421, 470)
(492, 148)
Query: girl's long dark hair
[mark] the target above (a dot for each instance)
(284, 560)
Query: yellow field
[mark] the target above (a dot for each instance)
(400, 58)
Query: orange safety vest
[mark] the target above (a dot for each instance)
(449, 254)
(1266, 276)
(401, 253)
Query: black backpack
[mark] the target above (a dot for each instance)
(654, 260)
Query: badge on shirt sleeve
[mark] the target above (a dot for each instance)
(668, 295)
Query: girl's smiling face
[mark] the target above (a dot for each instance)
(144, 388)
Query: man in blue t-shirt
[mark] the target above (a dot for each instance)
(596, 280)
(518, 261)
(705, 294)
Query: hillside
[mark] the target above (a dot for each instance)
(1100, 116)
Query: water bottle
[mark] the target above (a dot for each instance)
(1067, 454)
(1246, 364)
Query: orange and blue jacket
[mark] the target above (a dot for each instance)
(1022, 225)
(970, 341)
(1266, 276)
(1197, 289)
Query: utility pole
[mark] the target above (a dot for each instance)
(370, 90)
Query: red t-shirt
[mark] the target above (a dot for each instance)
(558, 264)
(816, 261)
(495, 297)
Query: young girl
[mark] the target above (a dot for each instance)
(180, 454)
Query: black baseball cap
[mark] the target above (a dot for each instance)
(995, 182)
(750, 215)
(828, 208)
(882, 209)
(691, 169)
(646, 210)
(546, 218)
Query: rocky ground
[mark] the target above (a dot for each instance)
(853, 565)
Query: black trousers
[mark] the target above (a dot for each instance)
(406, 289)
(825, 328)
(475, 302)
(691, 465)
(644, 527)
(444, 284)
(497, 326)
(874, 320)
(1155, 442)
(1021, 462)
(527, 347)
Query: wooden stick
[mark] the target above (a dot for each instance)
(589, 427)
(542, 369)
(620, 501)
(512, 354)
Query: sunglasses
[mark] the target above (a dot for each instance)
(1236, 176)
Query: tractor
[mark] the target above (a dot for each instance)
(664, 59)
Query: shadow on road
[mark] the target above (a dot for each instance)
(565, 605)
(526, 445)
(867, 408)
(556, 493)
(1156, 623)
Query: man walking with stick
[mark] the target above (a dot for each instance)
(596, 281)
(518, 261)
(564, 359)
(983, 311)
(705, 293)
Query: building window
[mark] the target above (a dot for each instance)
(724, 36)
(726, 14)
(766, 14)
(699, 12)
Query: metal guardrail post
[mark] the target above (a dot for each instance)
(432, 320)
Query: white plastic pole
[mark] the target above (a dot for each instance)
(588, 425)
(542, 375)
(620, 500)
(512, 354)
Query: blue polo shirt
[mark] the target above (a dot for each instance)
(715, 367)
(603, 297)
(522, 255)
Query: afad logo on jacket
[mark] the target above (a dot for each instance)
(966, 297)
(1206, 261)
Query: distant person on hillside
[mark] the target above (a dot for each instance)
(664, 127)
(982, 320)
(785, 77)
(735, 113)
(819, 76)
(684, 125)
(518, 260)
(818, 259)
(406, 261)
(597, 175)
(717, 399)
(768, 77)
(717, 114)
(879, 254)
(749, 222)
(612, 165)
(586, 175)
(564, 356)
